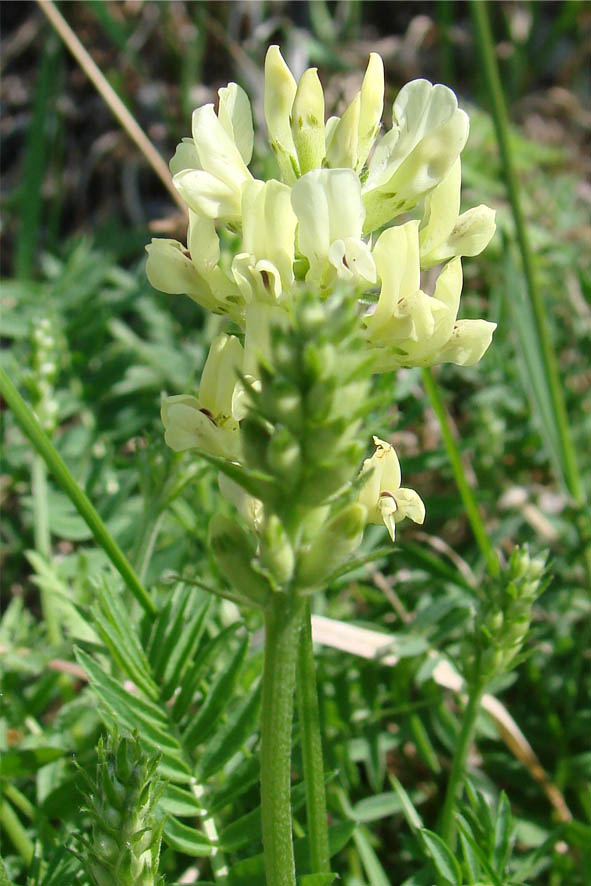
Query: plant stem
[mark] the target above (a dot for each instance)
(283, 621)
(309, 718)
(464, 488)
(490, 72)
(448, 827)
(31, 427)
(216, 859)
(43, 542)
(11, 825)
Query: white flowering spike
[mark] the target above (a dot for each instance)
(214, 189)
(280, 91)
(410, 328)
(330, 214)
(381, 494)
(307, 121)
(208, 422)
(444, 233)
(265, 267)
(427, 135)
(235, 115)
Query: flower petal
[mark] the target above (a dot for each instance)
(467, 343)
(217, 150)
(207, 195)
(235, 115)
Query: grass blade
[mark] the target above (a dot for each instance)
(464, 488)
(32, 429)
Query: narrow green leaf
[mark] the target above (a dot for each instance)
(178, 801)
(377, 807)
(469, 856)
(503, 830)
(484, 863)
(185, 649)
(186, 839)
(133, 712)
(443, 859)
(117, 633)
(161, 623)
(231, 736)
(161, 653)
(204, 659)
(423, 743)
(220, 693)
(410, 813)
(373, 869)
(17, 763)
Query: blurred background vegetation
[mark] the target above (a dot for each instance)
(79, 203)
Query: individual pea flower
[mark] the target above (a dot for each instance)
(428, 133)
(381, 494)
(264, 268)
(444, 233)
(210, 170)
(411, 328)
(330, 213)
(208, 422)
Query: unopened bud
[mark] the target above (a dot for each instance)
(332, 546)
(307, 121)
(234, 554)
(276, 554)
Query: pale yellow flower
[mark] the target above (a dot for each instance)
(428, 133)
(444, 233)
(411, 328)
(330, 213)
(210, 170)
(381, 494)
(208, 422)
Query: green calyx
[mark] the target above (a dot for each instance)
(124, 846)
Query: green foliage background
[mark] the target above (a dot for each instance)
(79, 204)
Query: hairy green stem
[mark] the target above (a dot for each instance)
(43, 542)
(309, 718)
(283, 622)
(464, 488)
(447, 827)
(30, 426)
(12, 827)
(492, 79)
